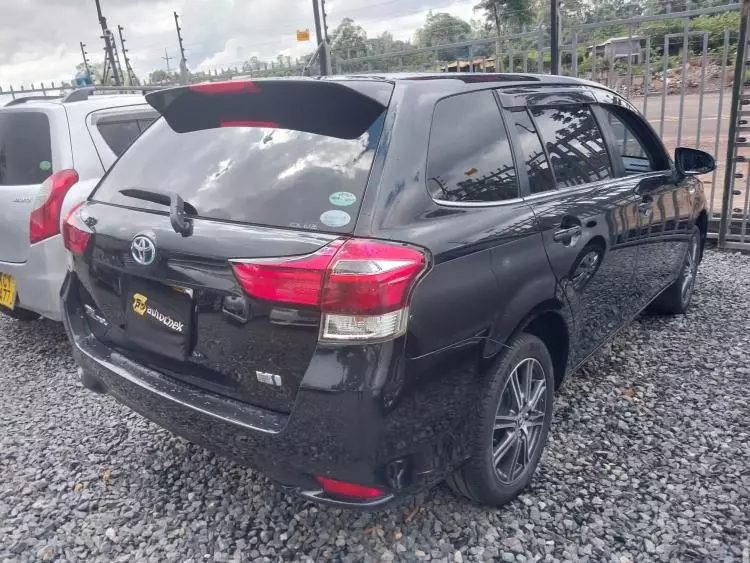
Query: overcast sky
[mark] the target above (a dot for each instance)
(39, 38)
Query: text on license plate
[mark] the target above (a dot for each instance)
(7, 291)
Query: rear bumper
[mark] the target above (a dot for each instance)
(38, 280)
(348, 435)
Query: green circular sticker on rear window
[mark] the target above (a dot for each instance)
(45, 165)
(335, 218)
(342, 199)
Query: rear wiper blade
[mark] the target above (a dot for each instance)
(158, 197)
(178, 208)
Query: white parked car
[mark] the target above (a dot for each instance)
(52, 154)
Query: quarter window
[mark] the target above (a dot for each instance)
(120, 134)
(574, 143)
(470, 159)
(636, 157)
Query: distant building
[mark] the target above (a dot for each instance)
(619, 48)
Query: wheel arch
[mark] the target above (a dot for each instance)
(551, 322)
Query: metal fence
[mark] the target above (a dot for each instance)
(677, 71)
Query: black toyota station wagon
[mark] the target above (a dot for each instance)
(365, 285)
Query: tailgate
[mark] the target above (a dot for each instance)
(253, 350)
(264, 170)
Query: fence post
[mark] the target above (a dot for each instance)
(554, 38)
(540, 45)
(739, 80)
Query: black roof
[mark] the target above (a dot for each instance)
(505, 78)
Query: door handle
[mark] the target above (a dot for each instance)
(567, 234)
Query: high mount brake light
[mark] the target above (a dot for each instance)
(44, 221)
(361, 286)
(231, 87)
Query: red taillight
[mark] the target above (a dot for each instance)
(361, 286)
(230, 87)
(75, 238)
(370, 278)
(45, 218)
(293, 280)
(349, 490)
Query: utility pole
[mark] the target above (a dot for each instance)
(183, 60)
(85, 59)
(555, 36)
(325, 68)
(109, 58)
(132, 79)
(167, 58)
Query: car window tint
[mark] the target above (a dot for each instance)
(25, 148)
(635, 154)
(119, 134)
(251, 174)
(469, 153)
(144, 124)
(575, 145)
(532, 154)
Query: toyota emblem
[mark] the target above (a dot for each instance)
(143, 250)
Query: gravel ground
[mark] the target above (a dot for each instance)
(647, 460)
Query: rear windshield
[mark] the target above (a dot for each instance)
(25, 148)
(264, 175)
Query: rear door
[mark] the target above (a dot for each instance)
(264, 176)
(26, 160)
(586, 216)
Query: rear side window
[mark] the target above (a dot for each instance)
(469, 157)
(256, 171)
(25, 148)
(574, 143)
(119, 134)
(532, 153)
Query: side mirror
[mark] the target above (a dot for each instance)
(691, 162)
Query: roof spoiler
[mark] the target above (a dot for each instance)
(336, 109)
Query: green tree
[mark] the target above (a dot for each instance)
(507, 16)
(161, 76)
(442, 28)
(96, 70)
(349, 39)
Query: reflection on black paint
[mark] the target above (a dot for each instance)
(574, 143)
(469, 153)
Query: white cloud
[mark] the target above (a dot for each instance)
(39, 39)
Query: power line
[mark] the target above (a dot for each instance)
(132, 79)
(109, 57)
(183, 60)
(85, 59)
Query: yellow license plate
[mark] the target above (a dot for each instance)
(7, 291)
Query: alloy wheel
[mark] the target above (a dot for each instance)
(689, 271)
(519, 420)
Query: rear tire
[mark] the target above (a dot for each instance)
(511, 429)
(19, 314)
(676, 298)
